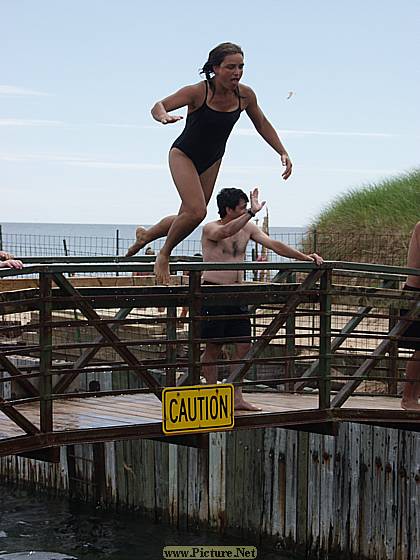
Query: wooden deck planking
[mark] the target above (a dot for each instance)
(96, 417)
(96, 412)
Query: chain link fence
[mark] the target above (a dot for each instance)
(363, 247)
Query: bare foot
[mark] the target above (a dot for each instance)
(241, 404)
(410, 405)
(161, 269)
(139, 243)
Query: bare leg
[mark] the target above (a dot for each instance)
(210, 354)
(193, 208)
(241, 350)
(411, 393)
(208, 179)
(145, 236)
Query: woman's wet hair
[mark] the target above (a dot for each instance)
(229, 198)
(217, 56)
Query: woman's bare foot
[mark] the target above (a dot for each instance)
(161, 269)
(140, 242)
(241, 404)
(410, 405)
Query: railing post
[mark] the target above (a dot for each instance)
(45, 359)
(315, 241)
(117, 246)
(171, 345)
(325, 340)
(393, 349)
(291, 341)
(253, 370)
(194, 331)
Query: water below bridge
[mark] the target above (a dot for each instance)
(34, 526)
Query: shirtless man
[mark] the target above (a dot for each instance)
(225, 240)
(411, 393)
(8, 261)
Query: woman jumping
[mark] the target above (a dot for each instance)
(214, 106)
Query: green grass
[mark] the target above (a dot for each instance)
(370, 224)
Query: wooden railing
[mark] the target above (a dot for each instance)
(315, 330)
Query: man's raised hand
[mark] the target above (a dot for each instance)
(256, 206)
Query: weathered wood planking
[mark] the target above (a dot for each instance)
(327, 452)
(314, 491)
(142, 408)
(217, 479)
(390, 489)
(415, 498)
(357, 494)
(173, 484)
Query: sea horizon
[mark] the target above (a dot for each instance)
(55, 238)
(125, 231)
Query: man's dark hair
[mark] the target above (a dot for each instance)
(229, 198)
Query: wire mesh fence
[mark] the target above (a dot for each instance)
(363, 247)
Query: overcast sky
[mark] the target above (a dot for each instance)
(78, 78)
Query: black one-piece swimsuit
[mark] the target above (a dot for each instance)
(205, 134)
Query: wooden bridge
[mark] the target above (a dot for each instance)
(86, 354)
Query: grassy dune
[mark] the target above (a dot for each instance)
(370, 224)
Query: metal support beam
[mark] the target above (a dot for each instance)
(15, 372)
(171, 347)
(291, 340)
(194, 333)
(18, 418)
(294, 300)
(348, 328)
(363, 371)
(325, 340)
(88, 354)
(45, 358)
(109, 335)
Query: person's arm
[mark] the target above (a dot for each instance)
(267, 131)
(11, 263)
(186, 96)
(281, 248)
(216, 231)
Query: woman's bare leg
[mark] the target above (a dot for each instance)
(161, 229)
(193, 208)
(145, 236)
(208, 179)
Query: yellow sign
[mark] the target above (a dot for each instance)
(202, 408)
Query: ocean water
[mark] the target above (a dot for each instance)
(126, 231)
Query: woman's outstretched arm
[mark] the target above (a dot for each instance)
(186, 96)
(267, 131)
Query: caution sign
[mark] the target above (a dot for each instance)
(202, 408)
